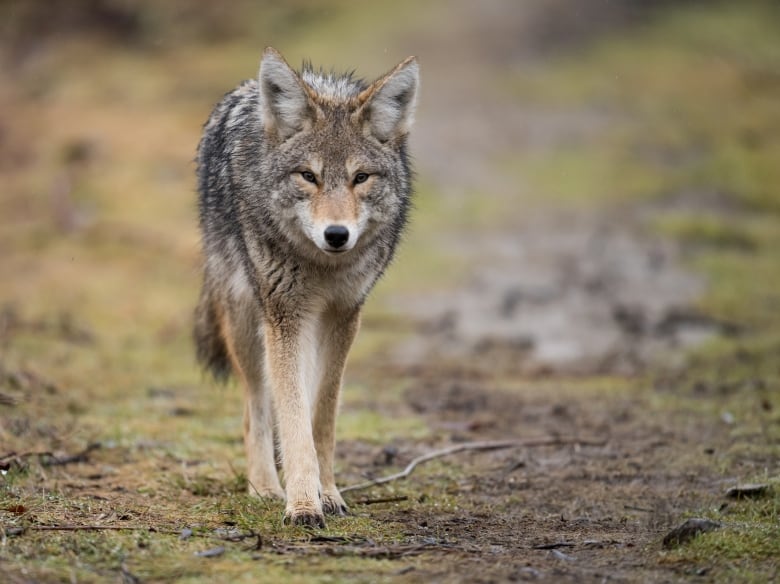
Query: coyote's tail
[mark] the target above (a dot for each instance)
(211, 351)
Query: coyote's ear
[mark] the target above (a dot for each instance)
(284, 105)
(389, 102)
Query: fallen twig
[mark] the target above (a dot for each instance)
(82, 456)
(20, 455)
(552, 546)
(366, 550)
(98, 528)
(483, 445)
(381, 552)
(216, 534)
(47, 458)
(381, 500)
(20, 530)
(635, 508)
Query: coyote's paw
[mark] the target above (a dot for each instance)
(304, 516)
(333, 503)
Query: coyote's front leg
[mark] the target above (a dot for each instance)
(336, 333)
(291, 367)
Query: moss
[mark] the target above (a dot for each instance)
(669, 135)
(172, 455)
(695, 102)
(747, 546)
(717, 232)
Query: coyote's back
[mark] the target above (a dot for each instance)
(304, 187)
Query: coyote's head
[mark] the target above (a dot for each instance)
(335, 153)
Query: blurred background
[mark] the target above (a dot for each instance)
(557, 143)
(595, 248)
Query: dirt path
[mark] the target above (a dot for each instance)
(553, 295)
(546, 289)
(570, 513)
(510, 314)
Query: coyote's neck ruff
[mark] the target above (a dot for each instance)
(304, 189)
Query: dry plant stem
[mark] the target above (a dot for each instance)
(48, 459)
(381, 500)
(20, 455)
(483, 445)
(100, 528)
(20, 530)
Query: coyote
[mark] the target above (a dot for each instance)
(304, 183)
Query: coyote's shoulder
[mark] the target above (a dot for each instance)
(304, 184)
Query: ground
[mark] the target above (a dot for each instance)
(592, 271)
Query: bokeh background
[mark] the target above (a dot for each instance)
(598, 190)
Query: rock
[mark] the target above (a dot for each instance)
(561, 556)
(688, 530)
(748, 491)
(211, 553)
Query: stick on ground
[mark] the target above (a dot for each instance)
(480, 446)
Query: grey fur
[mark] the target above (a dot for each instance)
(266, 265)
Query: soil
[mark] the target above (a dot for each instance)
(554, 296)
(572, 512)
(577, 291)
(559, 317)
(587, 294)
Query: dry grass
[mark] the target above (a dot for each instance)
(99, 269)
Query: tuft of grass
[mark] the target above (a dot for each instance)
(695, 109)
(101, 205)
(707, 231)
(747, 547)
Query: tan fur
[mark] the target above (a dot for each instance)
(293, 244)
(337, 206)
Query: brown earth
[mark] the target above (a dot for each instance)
(574, 512)
(560, 323)
(546, 298)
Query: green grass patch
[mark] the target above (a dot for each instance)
(747, 546)
(693, 109)
(693, 99)
(96, 341)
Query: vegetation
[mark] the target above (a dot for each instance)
(99, 266)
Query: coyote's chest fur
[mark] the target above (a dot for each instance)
(311, 285)
(304, 188)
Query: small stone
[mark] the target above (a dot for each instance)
(561, 556)
(211, 553)
(748, 491)
(688, 530)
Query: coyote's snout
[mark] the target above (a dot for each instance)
(304, 187)
(338, 216)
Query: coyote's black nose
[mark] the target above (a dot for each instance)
(336, 235)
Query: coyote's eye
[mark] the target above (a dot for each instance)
(360, 177)
(309, 176)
